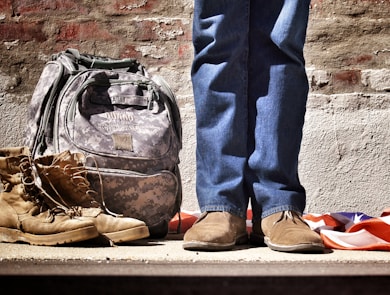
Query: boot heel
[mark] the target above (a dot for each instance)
(9, 235)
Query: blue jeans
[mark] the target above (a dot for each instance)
(250, 90)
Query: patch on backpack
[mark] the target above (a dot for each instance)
(123, 141)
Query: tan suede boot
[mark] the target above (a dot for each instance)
(216, 231)
(22, 215)
(64, 178)
(286, 231)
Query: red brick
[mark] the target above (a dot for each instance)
(359, 59)
(185, 51)
(130, 51)
(22, 31)
(83, 31)
(6, 7)
(22, 7)
(349, 77)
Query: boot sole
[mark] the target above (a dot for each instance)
(128, 235)
(298, 248)
(9, 235)
(208, 246)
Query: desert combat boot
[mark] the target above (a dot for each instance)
(22, 214)
(64, 176)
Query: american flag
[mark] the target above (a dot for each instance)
(352, 230)
(338, 230)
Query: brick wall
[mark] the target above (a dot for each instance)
(345, 155)
(156, 32)
(348, 46)
(347, 51)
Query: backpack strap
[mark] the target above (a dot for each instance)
(173, 105)
(88, 61)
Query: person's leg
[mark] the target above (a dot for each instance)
(219, 76)
(278, 90)
(278, 93)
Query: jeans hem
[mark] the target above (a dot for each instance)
(280, 209)
(219, 208)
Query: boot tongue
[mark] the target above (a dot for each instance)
(65, 177)
(90, 212)
(66, 158)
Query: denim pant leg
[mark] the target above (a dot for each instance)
(219, 76)
(278, 89)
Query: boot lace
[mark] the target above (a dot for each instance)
(288, 215)
(34, 191)
(28, 179)
(101, 187)
(77, 174)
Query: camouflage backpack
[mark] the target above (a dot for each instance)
(126, 123)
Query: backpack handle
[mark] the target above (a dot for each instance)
(100, 62)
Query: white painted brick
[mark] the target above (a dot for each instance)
(378, 79)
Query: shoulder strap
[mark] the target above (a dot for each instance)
(174, 108)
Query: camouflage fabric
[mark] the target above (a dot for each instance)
(127, 124)
(116, 116)
(149, 197)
